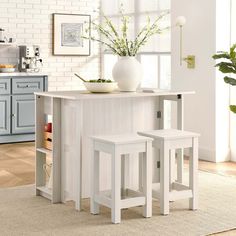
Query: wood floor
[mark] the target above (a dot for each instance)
(17, 163)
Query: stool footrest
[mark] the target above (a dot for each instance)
(177, 195)
(179, 191)
(132, 199)
(132, 202)
(103, 199)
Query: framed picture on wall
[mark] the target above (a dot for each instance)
(68, 30)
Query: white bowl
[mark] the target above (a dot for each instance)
(7, 70)
(100, 87)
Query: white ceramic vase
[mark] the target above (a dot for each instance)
(127, 72)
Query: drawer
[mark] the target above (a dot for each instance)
(5, 86)
(27, 85)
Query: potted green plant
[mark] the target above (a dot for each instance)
(228, 66)
(127, 72)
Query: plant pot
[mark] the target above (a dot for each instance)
(127, 72)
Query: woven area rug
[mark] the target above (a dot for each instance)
(22, 213)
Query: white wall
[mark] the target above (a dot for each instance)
(233, 89)
(222, 95)
(201, 109)
(30, 22)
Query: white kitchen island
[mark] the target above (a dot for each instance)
(76, 115)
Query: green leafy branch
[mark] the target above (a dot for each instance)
(228, 66)
(118, 42)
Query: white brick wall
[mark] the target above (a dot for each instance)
(30, 22)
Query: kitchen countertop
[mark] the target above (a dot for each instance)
(84, 94)
(22, 74)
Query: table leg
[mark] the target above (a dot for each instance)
(180, 125)
(79, 126)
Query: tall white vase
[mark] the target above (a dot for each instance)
(127, 72)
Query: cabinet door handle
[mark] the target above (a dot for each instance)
(23, 86)
(13, 115)
(27, 86)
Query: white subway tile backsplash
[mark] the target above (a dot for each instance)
(30, 22)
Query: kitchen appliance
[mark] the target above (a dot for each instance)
(29, 60)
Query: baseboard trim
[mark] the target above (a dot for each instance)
(207, 155)
(17, 138)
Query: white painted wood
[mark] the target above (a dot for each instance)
(44, 150)
(40, 157)
(132, 202)
(179, 187)
(107, 114)
(178, 195)
(45, 192)
(78, 159)
(116, 186)
(172, 166)
(63, 151)
(121, 139)
(83, 94)
(103, 200)
(193, 175)
(39, 120)
(56, 150)
(167, 141)
(141, 160)
(95, 186)
(121, 195)
(180, 126)
(125, 174)
(147, 180)
(40, 177)
(168, 134)
(164, 178)
(161, 109)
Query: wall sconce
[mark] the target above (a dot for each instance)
(190, 59)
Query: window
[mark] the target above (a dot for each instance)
(155, 55)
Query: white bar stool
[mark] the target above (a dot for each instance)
(119, 146)
(168, 141)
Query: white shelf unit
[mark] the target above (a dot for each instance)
(46, 106)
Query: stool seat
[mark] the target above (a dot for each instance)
(121, 139)
(169, 134)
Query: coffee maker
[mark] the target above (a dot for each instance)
(29, 58)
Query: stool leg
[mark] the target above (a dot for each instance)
(94, 206)
(180, 164)
(172, 166)
(141, 171)
(164, 178)
(147, 183)
(124, 174)
(116, 186)
(193, 175)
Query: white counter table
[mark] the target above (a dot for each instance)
(76, 115)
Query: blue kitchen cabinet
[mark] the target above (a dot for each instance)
(17, 107)
(5, 115)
